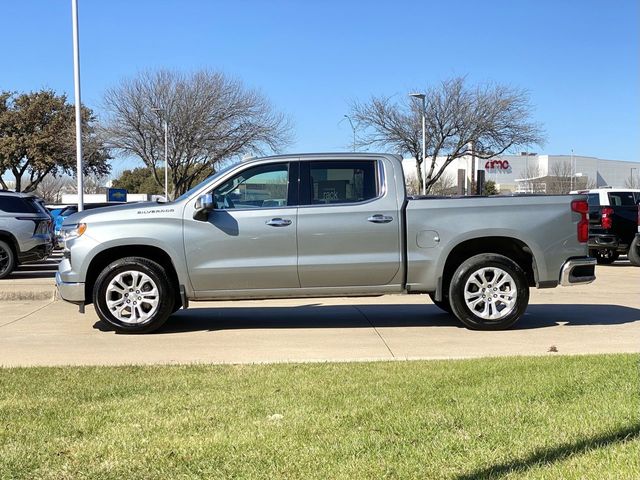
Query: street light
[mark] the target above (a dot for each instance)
(422, 96)
(76, 84)
(165, 125)
(354, 131)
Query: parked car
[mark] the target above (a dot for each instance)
(70, 210)
(347, 228)
(25, 231)
(614, 221)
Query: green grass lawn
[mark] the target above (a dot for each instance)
(550, 417)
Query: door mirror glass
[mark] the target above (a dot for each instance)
(204, 204)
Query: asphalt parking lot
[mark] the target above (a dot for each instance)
(603, 317)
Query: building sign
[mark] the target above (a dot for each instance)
(116, 195)
(498, 166)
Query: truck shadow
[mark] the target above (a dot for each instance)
(366, 316)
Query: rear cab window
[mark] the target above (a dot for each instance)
(339, 182)
(593, 199)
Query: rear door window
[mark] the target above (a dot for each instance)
(11, 204)
(340, 182)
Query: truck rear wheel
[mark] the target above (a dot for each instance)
(634, 252)
(489, 292)
(133, 295)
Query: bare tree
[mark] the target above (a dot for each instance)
(633, 181)
(560, 178)
(485, 121)
(445, 185)
(392, 126)
(52, 187)
(532, 181)
(210, 118)
(412, 184)
(92, 184)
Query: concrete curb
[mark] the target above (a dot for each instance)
(28, 295)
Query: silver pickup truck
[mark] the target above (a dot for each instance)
(322, 225)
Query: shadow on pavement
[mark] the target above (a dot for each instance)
(365, 316)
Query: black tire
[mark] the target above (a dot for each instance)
(7, 259)
(505, 315)
(156, 277)
(634, 252)
(604, 256)
(443, 304)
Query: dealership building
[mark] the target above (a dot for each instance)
(530, 172)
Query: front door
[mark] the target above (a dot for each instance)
(249, 240)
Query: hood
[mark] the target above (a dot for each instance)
(113, 211)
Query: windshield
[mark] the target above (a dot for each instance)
(190, 192)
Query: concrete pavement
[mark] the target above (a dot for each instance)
(599, 318)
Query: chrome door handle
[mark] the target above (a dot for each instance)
(279, 222)
(379, 218)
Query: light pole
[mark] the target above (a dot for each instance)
(573, 169)
(76, 84)
(165, 125)
(354, 131)
(423, 97)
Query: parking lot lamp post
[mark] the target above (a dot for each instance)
(78, 106)
(353, 129)
(165, 126)
(423, 97)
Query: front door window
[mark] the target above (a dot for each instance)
(265, 186)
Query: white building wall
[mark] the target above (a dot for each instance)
(71, 198)
(599, 172)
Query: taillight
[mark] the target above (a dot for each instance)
(606, 221)
(582, 207)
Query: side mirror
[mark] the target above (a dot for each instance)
(204, 205)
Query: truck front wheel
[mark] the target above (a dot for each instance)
(133, 295)
(489, 292)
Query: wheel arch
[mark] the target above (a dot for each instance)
(510, 247)
(153, 253)
(11, 241)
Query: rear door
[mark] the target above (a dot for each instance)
(348, 224)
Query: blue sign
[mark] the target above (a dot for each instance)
(116, 195)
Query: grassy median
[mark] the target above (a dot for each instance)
(560, 417)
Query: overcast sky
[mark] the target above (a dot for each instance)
(578, 59)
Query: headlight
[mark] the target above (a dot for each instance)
(69, 232)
